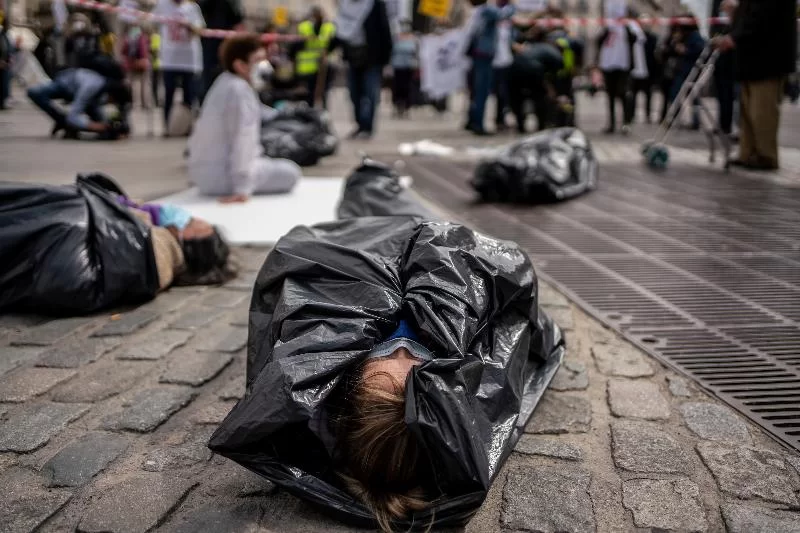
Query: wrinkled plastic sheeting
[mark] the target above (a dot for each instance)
(300, 134)
(553, 165)
(327, 294)
(71, 249)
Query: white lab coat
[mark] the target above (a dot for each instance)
(225, 152)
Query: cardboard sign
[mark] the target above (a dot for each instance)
(434, 8)
(443, 65)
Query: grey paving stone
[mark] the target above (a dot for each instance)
(82, 459)
(196, 319)
(679, 387)
(560, 413)
(78, 353)
(551, 297)
(224, 299)
(134, 503)
(530, 504)
(715, 422)
(196, 368)
(169, 301)
(645, 447)
(241, 321)
(104, 379)
(561, 316)
(240, 517)
(214, 413)
(156, 346)
(572, 375)
(191, 451)
(25, 383)
(621, 359)
(52, 332)
(127, 323)
(14, 356)
(794, 460)
(530, 445)
(25, 503)
(32, 426)
(234, 340)
(243, 282)
(637, 399)
(749, 473)
(17, 322)
(234, 390)
(149, 409)
(740, 518)
(666, 505)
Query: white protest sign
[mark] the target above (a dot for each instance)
(443, 65)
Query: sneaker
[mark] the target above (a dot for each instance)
(626, 130)
(610, 130)
(480, 132)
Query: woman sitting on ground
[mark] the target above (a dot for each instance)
(225, 152)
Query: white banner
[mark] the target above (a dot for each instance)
(443, 65)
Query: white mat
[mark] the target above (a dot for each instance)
(265, 219)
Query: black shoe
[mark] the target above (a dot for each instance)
(610, 130)
(480, 132)
(57, 127)
(70, 133)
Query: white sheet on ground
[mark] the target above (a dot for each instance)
(265, 219)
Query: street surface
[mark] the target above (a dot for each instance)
(104, 419)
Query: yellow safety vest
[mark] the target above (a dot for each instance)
(308, 58)
(568, 56)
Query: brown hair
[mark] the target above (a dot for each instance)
(238, 47)
(383, 460)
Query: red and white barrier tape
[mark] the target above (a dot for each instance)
(144, 15)
(645, 21)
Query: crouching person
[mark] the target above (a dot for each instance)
(225, 152)
(87, 90)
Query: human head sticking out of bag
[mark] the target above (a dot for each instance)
(206, 255)
(383, 464)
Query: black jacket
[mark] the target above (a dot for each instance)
(379, 40)
(765, 33)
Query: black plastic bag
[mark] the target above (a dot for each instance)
(300, 134)
(552, 165)
(72, 249)
(327, 294)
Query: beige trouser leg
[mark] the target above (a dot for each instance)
(760, 119)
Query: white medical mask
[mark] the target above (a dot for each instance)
(259, 73)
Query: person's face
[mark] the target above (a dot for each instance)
(245, 69)
(397, 365)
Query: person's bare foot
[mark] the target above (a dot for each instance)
(233, 199)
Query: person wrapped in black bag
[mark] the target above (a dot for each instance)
(393, 361)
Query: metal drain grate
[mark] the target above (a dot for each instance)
(700, 269)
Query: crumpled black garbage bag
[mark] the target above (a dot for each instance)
(300, 134)
(374, 189)
(327, 294)
(552, 165)
(72, 249)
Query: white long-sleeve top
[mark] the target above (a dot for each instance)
(226, 141)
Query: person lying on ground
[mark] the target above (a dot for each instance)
(225, 151)
(81, 248)
(87, 90)
(394, 360)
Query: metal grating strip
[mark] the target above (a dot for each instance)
(700, 269)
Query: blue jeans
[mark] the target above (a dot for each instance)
(5, 85)
(481, 88)
(43, 97)
(365, 92)
(187, 81)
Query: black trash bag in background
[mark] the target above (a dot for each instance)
(327, 294)
(300, 134)
(374, 189)
(72, 249)
(552, 165)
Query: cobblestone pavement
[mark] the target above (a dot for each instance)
(104, 419)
